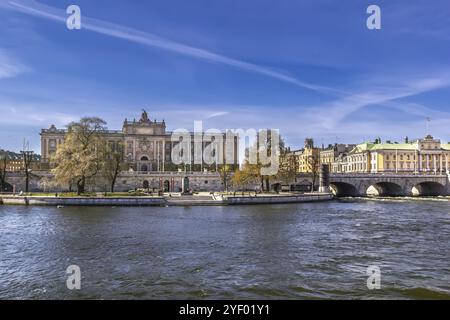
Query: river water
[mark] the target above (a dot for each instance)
(299, 251)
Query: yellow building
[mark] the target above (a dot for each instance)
(426, 155)
(308, 158)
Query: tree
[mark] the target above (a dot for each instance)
(3, 163)
(27, 159)
(287, 171)
(113, 163)
(239, 180)
(265, 180)
(247, 175)
(82, 154)
(224, 172)
(314, 162)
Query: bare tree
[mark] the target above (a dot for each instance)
(225, 172)
(313, 162)
(113, 163)
(3, 163)
(27, 159)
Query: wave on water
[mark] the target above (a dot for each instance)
(399, 199)
(424, 293)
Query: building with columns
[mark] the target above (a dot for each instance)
(427, 155)
(147, 148)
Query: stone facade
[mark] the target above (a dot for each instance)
(147, 146)
(333, 153)
(422, 156)
(147, 153)
(126, 181)
(390, 185)
(308, 157)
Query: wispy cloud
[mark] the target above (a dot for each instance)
(9, 67)
(215, 115)
(330, 115)
(34, 115)
(340, 120)
(114, 30)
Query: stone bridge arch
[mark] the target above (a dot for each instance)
(344, 189)
(385, 189)
(428, 188)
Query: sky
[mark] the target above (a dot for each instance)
(310, 68)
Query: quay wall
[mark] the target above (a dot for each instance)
(279, 199)
(162, 201)
(79, 201)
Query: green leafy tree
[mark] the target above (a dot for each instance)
(82, 154)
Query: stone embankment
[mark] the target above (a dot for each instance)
(168, 200)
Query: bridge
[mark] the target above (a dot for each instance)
(390, 184)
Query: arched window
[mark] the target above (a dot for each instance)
(166, 186)
(144, 158)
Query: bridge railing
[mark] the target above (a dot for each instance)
(390, 175)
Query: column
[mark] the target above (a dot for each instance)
(163, 154)
(396, 161)
(419, 161)
(446, 162)
(158, 157)
(45, 149)
(434, 164)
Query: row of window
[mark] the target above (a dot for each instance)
(409, 158)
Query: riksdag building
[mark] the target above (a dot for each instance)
(147, 148)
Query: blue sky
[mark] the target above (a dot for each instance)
(308, 68)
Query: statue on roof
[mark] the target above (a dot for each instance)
(144, 116)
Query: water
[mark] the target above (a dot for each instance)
(301, 251)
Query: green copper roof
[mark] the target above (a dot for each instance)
(362, 147)
(395, 146)
(383, 146)
(367, 146)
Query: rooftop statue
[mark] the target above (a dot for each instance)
(144, 116)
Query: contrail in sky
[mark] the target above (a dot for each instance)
(34, 8)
